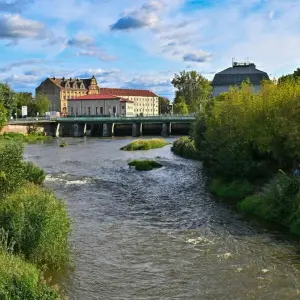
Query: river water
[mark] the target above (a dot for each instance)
(159, 234)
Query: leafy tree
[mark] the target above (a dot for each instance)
(164, 105)
(290, 77)
(7, 98)
(181, 108)
(25, 99)
(193, 87)
(42, 104)
(3, 116)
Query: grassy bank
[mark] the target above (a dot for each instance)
(34, 228)
(185, 147)
(144, 164)
(145, 144)
(19, 137)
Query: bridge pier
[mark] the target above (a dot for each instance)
(108, 129)
(137, 129)
(166, 129)
(78, 130)
(57, 130)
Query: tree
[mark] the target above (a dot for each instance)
(25, 99)
(193, 87)
(3, 116)
(7, 98)
(181, 108)
(164, 105)
(42, 104)
(289, 77)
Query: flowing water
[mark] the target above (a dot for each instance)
(159, 234)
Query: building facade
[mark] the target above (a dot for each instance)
(236, 75)
(61, 90)
(99, 105)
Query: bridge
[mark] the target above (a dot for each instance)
(108, 126)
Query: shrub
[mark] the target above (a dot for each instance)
(145, 165)
(63, 144)
(185, 147)
(145, 144)
(33, 173)
(20, 280)
(12, 168)
(22, 138)
(38, 224)
(231, 191)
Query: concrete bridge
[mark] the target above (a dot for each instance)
(108, 126)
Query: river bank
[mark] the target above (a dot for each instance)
(34, 228)
(158, 234)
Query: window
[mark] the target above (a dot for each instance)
(85, 110)
(89, 110)
(123, 106)
(114, 109)
(101, 110)
(72, 110)
(97, 110)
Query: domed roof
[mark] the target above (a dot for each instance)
(239, 73)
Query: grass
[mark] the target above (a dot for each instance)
(185, 147)
(145, 144)
(20, 280)
(145, 165)
(63, 144)
(19, 137)
(231, 191)
(38, 224)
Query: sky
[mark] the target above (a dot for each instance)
(143, 43)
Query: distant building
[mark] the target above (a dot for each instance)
(234, 76)
(100, 104)
(60, 90)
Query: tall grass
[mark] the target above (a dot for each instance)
(20, 280)
(145, 144)
(28, 138)
(38, 224)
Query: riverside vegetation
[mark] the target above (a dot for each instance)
(145, 144)
(250, 144)
(145, 164)
(22, 138)
(34, 229)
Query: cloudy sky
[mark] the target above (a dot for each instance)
(142, 43)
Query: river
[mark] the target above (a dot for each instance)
(159, 234)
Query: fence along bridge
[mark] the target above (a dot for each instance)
(110, 126)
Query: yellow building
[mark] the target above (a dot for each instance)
(60, 90)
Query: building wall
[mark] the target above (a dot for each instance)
(100, 107)
(52, 91)
(148, 106)
(222, 89)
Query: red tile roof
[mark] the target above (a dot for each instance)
(99, 97)
(127, 92)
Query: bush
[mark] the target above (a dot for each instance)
(145, 165)
(38, 224)
(20, 280)
(12, 168)
(185, 147)
(278, 202)
(33, 173)
(22, 138)
(231, 191)
(145, 144)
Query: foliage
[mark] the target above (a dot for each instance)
(231, 190)
(21, 138)
(20, 280)
(181, 108)
(290, 77)
(193, 88)
(33, 173)
(63, 144)
(12, 168)
(144, 165)
(250, 135)
(38, 224)
(7, 99)
(185, 147)
(3, 116)
(145, 144)
(278, 202)
(164, 105)
(42, 104)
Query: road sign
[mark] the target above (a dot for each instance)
(24, 111)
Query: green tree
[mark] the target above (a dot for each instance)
(181, 108)
(3, 116)
(7, 98)
(290, 77)
(42, 104)
(194, 88)
(25, 99)
(164, 105)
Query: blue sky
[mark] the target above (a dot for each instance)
(142, 43)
